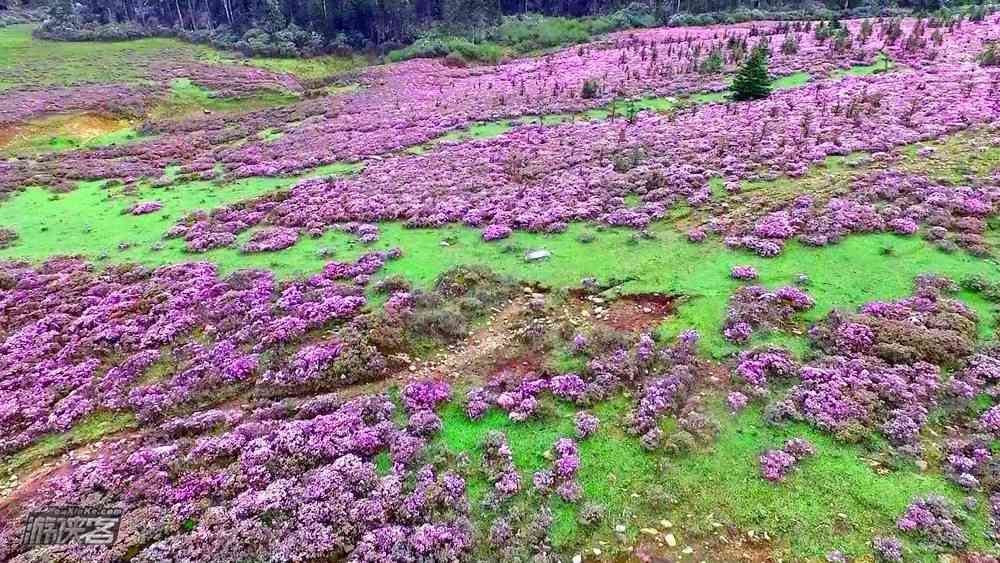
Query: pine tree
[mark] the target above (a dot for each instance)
(752, 81)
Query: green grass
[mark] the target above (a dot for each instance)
(186, 98)
(610, 451)
(719, 483)
(71, 131)
(848, 274)
(802, 512)
(89, 430)
(312, 68)
(882, 64)
(28, 62)
(89, 221)
(25, 61)
(460, 48)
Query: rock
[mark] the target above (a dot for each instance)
(535, 255)
(666, 524)
(671, 540)
(688, 550)
(649, 531)
(577, 558)
(620, 528)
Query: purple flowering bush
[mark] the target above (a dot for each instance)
(144, 207)
(743, 273)
(94, 334)
(281, 484)
(934, 519)
(755, 308)
(775, 464)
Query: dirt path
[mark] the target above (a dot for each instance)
(484, 347)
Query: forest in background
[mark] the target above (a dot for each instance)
(290, 28)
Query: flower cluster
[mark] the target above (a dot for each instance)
(78, 340)
(755, 368)
(562, 477)
(305, 467)
(498, 465)
(586, 424)
(744, 273)
(144, 207)
(496, 232)
(935, 520)
(269, 240)
(775, 464)
(425, 395)
(967, 460)
(888, 549)
(754, 307)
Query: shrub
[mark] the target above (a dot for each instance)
(790, 46)
(455, 48)
(990, 56)
(713, 63)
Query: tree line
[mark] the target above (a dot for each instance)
(311, 25)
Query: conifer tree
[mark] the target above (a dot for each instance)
(752, 81)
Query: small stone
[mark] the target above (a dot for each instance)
(688, 550)
(671, 540)
(577, 558)
(535, 255)
(666, 524)
(597, 552)
(620, 528)
(649, 531)
(445, 243)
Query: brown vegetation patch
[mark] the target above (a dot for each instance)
(80, 127)
(636, 312)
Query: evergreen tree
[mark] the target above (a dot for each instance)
(752, 81)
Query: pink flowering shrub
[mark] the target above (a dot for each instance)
(144, 207)
(754, 307)
(269, 240)
(586, 424)
(496, 232)
(561, 479)
(775, 464)
(934, 519)
(305, 468)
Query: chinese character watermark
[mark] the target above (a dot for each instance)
(59, 525)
